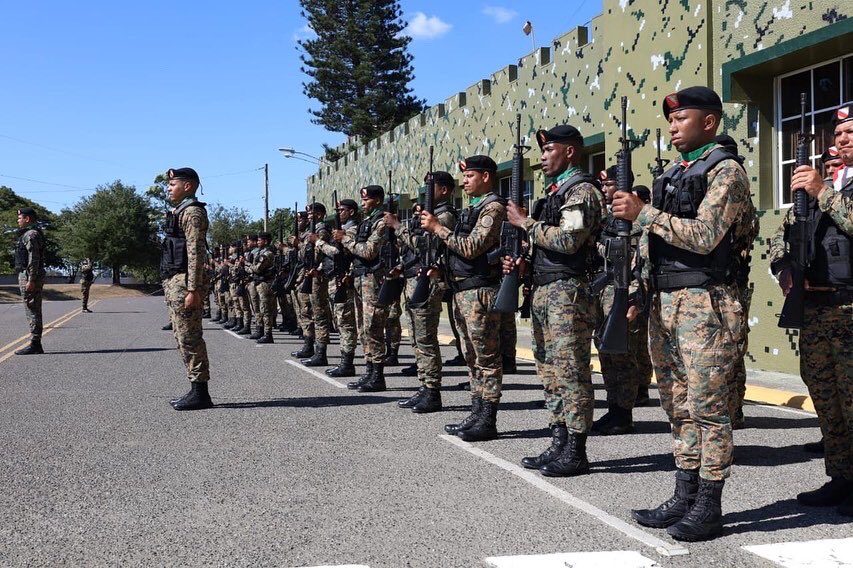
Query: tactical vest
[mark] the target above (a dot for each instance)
(360, 266)
(173, 259)
(550, 265)
(832, 260)
(268, 274)
(22, 255)
(484, 270)
(345, 260)
(679, 192)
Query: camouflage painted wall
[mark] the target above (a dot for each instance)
(657, 47)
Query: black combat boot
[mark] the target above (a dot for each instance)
(468, 421)
(345, 368)
(410, 371)
(259, 333)
(485, 428)
(218, 318)
(814, 447)
(642, 396)
(832, 493)
(429, 402)
(307, 349)
(232, 323)
(197, 399)
(205, 314)
(33, 348)
(571, 461)
(559, 437)
(673, 509)
(704, 520)
(376, 382)
(167, 327)
(267, 338)
(456, 361)
(368, 372)
(297, 332)
(247, 326)
(391, 354)
(412, 400)
(509, 365)
(319, 358)
(617, 421)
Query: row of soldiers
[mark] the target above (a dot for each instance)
(691, 239)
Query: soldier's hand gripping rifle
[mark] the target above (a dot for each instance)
(340, 260)
(614, 335)
(426, 253)
(391, 288)
(506, 301)
(293, 254)
(310, 257)
(799, 236)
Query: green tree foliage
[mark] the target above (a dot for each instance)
(10, 202)
(359, 66)
(116, 227)
(228, 224)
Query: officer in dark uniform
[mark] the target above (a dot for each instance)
(29, 264)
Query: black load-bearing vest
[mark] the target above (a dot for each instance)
(173, 253)
(484, 270)
(22, 255)
(679, 192)
(832, 261)
(410, 257)
(361, 266)
(550, 265)
(346, 258)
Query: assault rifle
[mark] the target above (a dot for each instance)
(799, 237)
(310, 254)
(426, 253)
(391, 288)
(293, 254)
(506, 300)
(341, 283)
(660, 163)
(614, 335)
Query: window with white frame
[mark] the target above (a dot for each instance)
(526, 193)
(826, 86)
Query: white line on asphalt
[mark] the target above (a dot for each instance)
(661, 546)
(834, 553)
(621, 558)
(232, 333)
(789, 410)
(329, 380)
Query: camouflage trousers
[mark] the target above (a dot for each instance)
(373, 316)
(186, 326)
(320, 311)
(225, 304)
(625, 373)
(425, 333)
(693, 341)
(563, 315)
(239, 301)
(285, 304)
(826, 365)
(254, 299)
(345, 316)
(205, 303)
(267, 306)
(509, 336)
(737, 380)
(480, 331)
(393, 327)
(306, 319)
(84, 292)
(32, 305)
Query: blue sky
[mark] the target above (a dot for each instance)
(96, 91)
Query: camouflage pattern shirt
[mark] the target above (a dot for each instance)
(581, 218)
(33, 241)
(369, 249)
(193, 222)
(485, 235)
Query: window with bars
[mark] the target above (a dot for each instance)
(826, 85)
(526, 194)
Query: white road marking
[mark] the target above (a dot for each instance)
(329, 380)
(835, 553)
(621, 558)
(661, 546)
(786, 409)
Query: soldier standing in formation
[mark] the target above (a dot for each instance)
(29, 264)
(87, 276)
(263, 274)
(473, 273)
(695, 311)
(826, 339)
(182, 267)
(319, 301)
(302, 289)
(251, 250)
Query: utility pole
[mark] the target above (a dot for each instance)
(266, 195)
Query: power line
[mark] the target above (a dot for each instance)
(52, 149)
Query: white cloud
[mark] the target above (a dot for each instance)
(426, 27)
(500, 14)
(305, 32)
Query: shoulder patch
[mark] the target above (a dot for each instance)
(487, 221)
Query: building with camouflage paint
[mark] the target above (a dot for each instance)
(758, 54)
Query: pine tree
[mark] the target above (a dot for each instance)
(359, 66)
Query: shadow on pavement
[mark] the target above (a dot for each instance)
(639, 464)
(307, 402)
(776, 423)
(787, 514)
(134, 350)
(765, 456)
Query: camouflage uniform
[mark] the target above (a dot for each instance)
(237, 289)
(344, 311)
(263, 273)
(224, 295)
(87, 276)
(393, 327)
(320, 312)
(303, 299)
(251, 286)
(29, 264)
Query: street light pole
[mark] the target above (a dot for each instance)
(266, 195)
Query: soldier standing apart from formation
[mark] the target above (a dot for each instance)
(562, 233)
(695, 312)
(365, 246)
(87, 276)
(425, 317)
(321, 312)
(473, 273)
(826, 339)
(263, 273)
(182, 266)
(29, 264)
(336, 267)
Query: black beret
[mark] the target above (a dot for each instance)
(478, 164)
(319, 208)
(302, 214)
(349, 203)
(643, 193)
(252, 237)
(443, 179)
(188, 174)
(266, 236)
(692, 97)
(373, 191)
(842, 114)
(561, 134)
(28, 212)
(830, 155)
(236, 244)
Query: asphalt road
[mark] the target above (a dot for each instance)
(291, 470)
